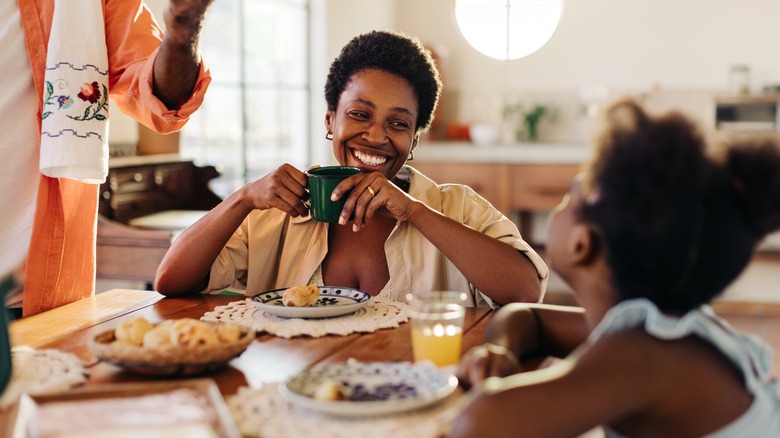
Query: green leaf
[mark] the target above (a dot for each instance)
(100, 117)
(46, 114)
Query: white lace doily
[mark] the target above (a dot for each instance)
(376, 314)
(39, 372)
(264, 413)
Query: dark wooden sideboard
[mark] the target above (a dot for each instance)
(137, 187)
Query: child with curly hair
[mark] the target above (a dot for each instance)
(653, 230)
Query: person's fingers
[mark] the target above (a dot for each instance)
(359, 196)
(365, 198)
(346, 186)
(293, 179)
(503, 360)
(471, 367)
(290, 204)
(283, 188)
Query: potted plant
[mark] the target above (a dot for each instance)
(528, 128)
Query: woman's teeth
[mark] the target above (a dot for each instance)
(371, 160)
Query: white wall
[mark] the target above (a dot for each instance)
(623, 43)
(334, 23)
(678, 52)
(673, 52)
(348, 18)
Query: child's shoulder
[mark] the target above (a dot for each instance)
(634, 353)
(662, 379)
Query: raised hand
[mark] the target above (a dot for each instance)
(369, 194)
(178, 62)
(183, 19)
(284, 188)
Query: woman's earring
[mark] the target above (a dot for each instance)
(411, 156)
(329, 136)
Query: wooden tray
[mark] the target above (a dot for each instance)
(24, 414)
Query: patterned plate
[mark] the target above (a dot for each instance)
(334, 301)
(370, 388)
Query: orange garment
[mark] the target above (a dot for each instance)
(60, 264)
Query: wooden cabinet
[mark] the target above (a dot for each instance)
(509, 187)
(483, 178)
(137, 187)
(539, 187)
(140, 186)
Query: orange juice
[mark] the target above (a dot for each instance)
(438, 343)
(437, 326)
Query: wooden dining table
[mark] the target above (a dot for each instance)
(268, 359)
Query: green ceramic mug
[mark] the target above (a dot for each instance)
(322, 181)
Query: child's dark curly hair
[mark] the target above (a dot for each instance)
(677, 225)
(394, 53)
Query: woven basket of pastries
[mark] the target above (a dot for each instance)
(181, 347)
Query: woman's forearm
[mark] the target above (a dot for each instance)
(178, 61)
(186, 265)
(494, 267)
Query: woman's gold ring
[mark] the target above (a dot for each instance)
(370, 190)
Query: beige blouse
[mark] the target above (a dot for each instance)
(271, 250)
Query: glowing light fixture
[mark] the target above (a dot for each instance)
(508, 29)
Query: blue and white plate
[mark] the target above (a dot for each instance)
(370, 388)
(333, 301)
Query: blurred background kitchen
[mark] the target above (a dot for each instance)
(515, 130)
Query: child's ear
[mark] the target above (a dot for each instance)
(584, 244)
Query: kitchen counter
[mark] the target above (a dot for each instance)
(520, 153)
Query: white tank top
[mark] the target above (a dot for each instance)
(747, 352)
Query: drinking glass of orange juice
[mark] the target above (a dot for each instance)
(437, 326)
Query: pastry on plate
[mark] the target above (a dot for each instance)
(329, 390)
(301, 296)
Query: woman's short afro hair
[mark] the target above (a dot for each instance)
(394, 53)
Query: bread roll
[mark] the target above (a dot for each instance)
(158, 336)
(301, 296)
(132, 331)
(228, 332)
(190, 333)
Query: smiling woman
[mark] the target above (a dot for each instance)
(398, 231)
(508, 29)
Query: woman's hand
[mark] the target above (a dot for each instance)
(284, 188)
(370, 193)
(484, 361)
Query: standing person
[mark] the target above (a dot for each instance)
(399, 232)
(54, 101)
(653, 231)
